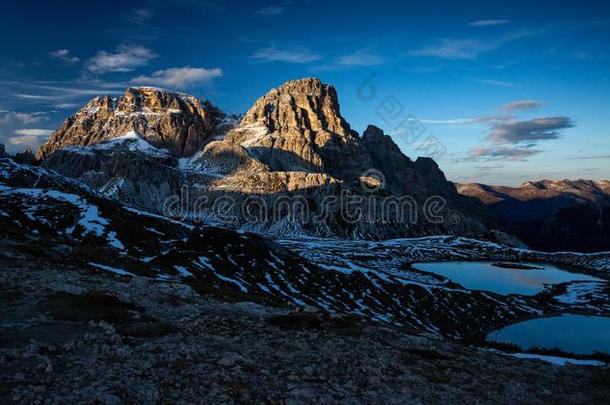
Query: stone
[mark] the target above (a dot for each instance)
(230, 359)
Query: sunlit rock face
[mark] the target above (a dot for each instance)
(298, 126)
(177, 122)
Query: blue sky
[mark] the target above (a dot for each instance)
(501, 93)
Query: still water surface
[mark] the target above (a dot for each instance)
(485, 276)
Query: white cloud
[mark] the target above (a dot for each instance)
(488, 23)
(24, 118)
(498, 83)
(53, 93)
(359, 58)
(125, 59)
(140, 16)
(29, 138)
(66, 106)
(534, 130)
(271, 10)
(294, 55)
(455, 49)
(178, 77)
(502, 153)
(465, 48)
(275, 9)
(522, 105)
(34, 132)
(64, 54)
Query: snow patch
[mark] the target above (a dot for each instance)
(114, 270)
(559, 361)
(135, 143)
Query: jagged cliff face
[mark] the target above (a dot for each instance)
(298, 126)
(176, 122)
(292, 143)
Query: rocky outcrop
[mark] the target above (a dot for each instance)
(225, 158)
(298, 127)
(177, 122)
(27, 156)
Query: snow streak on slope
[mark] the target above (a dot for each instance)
(131, 140)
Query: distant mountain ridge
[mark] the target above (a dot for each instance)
(552, 214)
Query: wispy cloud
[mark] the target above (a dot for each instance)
(139, 16)
(7, 117)
(523, 105)
(534, 130)
(271, 10)
(124, 59)
(33, 132)
(274, 9)
(360, 58)
(66, 106)
(35, 96)
(62, 94)
(590, 157)
(29, 137)
(502, 153)
(178, 77)
(490, 167)
(54, 93)
(488, 23)
(64, 54)
(464, 48)
(293, 55)
(465, 121)
(498, 83)
(589, 55)
(455, 49)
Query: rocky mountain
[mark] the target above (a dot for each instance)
(177, 122)
(298, 127)
(148, 145)
(552, 215)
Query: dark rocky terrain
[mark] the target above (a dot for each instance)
(552, 215)
(71, 334)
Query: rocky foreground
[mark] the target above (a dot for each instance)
(72, 335)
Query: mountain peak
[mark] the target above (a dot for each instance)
(177, 122)
(298, 125)
(301, 105)
(306, 84)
